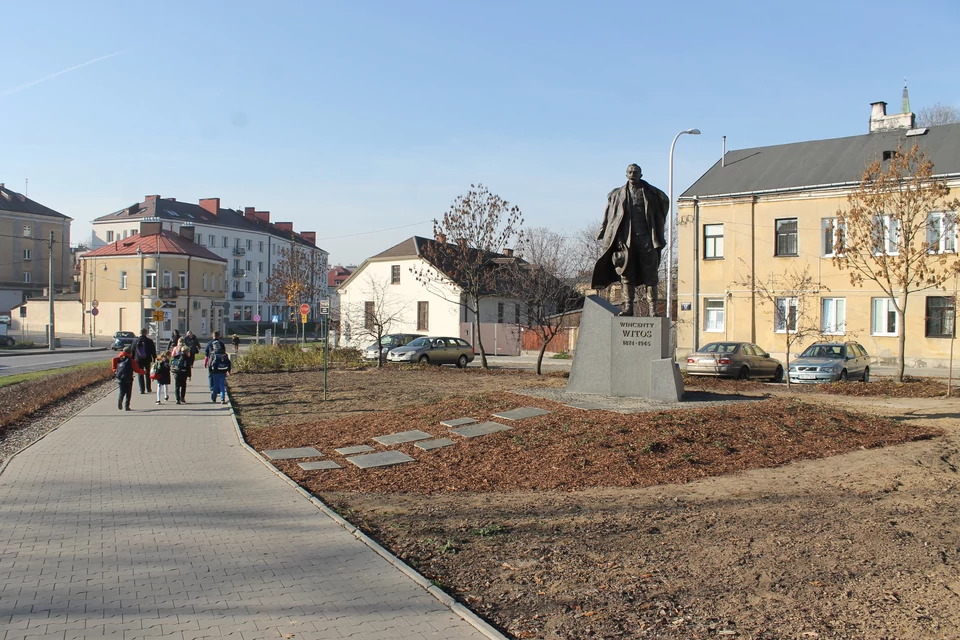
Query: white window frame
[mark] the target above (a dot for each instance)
(884, 307)
(150, 279)
(835, 308)
(714, 315)
(829, 225)
(182, 280)
(27, 233)
(109, 236)
(942, 232)
(26, 276)
(782, 316)
(28, 254)
(204, 285)
(123, 279)
(712, 242)
(889, 226)
(167, 279)
(226, 242)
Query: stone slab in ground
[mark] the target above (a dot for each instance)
(521, 413)
(482, 429)
(382, 459)
(439, 443)
(457, 422)
(589, 406)
(290, 454)
(403, 436)
(320, 464)
(349, 451)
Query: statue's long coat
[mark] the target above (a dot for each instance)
(657, 204)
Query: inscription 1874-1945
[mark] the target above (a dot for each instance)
(636, 333)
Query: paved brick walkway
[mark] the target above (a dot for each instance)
(159, 523)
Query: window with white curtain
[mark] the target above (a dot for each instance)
(713, 315)
(942, 232)
(785, 318)
(833, 315)
(884, 320)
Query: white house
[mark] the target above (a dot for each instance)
(247, 240)
(433, 309)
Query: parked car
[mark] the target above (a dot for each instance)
(5, 319)
(389, 342)
(830, 362)
(123, 338)
(431, 350)
(7, 341)
(741, 360)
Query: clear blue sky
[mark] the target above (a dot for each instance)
(355, 117)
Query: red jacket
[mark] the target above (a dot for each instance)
(136, 367)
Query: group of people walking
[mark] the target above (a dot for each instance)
(173, 366)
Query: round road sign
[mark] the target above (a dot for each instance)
(95, 304)
(304, 308)
(95, 311)
(256, 318)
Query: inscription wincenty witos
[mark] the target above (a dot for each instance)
(636, 333)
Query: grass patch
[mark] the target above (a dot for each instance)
(292, 357)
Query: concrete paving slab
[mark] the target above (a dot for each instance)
(382, 459)
(589, 406)
(457, 422)
(290, 454)
(403, 436)
(349, 451)
(482, 429)
(521, 413)
(317, 466)
(429, 445)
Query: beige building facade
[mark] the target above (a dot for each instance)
(767, 211)
(153, 271)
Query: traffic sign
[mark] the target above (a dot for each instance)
(303, 317)
(256, 318)
(304, 308)
(274, 319)
(324, 307)
(158, 304)
(95, 304)
(94, 311)
(158, 316)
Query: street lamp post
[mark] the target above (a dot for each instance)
(694, 132)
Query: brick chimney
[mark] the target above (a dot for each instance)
(150, 198)
(508, 253)
(285, 226)
(310, 236)
(262, 216)
(250, 213)
(880, 121)
(210, 205)
(150, 226)
(188, 232)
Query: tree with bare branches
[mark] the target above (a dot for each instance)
(544, 284)
(792, 297)
(938, 114)
(296, 279)
(899, 231)
(376, 315)
(468, 252)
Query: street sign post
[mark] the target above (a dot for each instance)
(158, 317)
(304, 309)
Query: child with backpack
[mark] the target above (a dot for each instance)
(160, 372)
(180, 367)
(124, 366)
(219, 366)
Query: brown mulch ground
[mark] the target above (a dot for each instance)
(771, 515)
(20, 401)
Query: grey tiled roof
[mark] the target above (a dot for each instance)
(820, 163)
(167, 209)
(18, 203)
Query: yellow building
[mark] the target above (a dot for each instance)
(25, 228)
(768, 210)
(128, 280)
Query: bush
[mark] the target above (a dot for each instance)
(292, 357)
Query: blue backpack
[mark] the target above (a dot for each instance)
(124, 370)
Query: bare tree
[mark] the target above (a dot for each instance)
(376, 315)
(468, 251)
(938, 114)
(544, 284)
(898, 231)
(296, 278)
(588, 248)
(792, 297)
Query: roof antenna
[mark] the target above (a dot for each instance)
(723, 153)
(26, 187)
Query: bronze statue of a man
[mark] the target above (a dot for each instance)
(632, 234)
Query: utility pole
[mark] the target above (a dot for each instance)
(50, 331)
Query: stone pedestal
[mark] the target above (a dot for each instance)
(623, 355)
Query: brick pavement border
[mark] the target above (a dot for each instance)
(443, 597)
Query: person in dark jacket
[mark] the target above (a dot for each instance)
(179, 366)
(124, 366)
(161, 375)
(144, 352)
(194, 343)
(174, 340)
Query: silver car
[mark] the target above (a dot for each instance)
(388, 342)
(741, 360)
(831, 362)
(431, 350)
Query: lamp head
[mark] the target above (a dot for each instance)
(694, 132)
